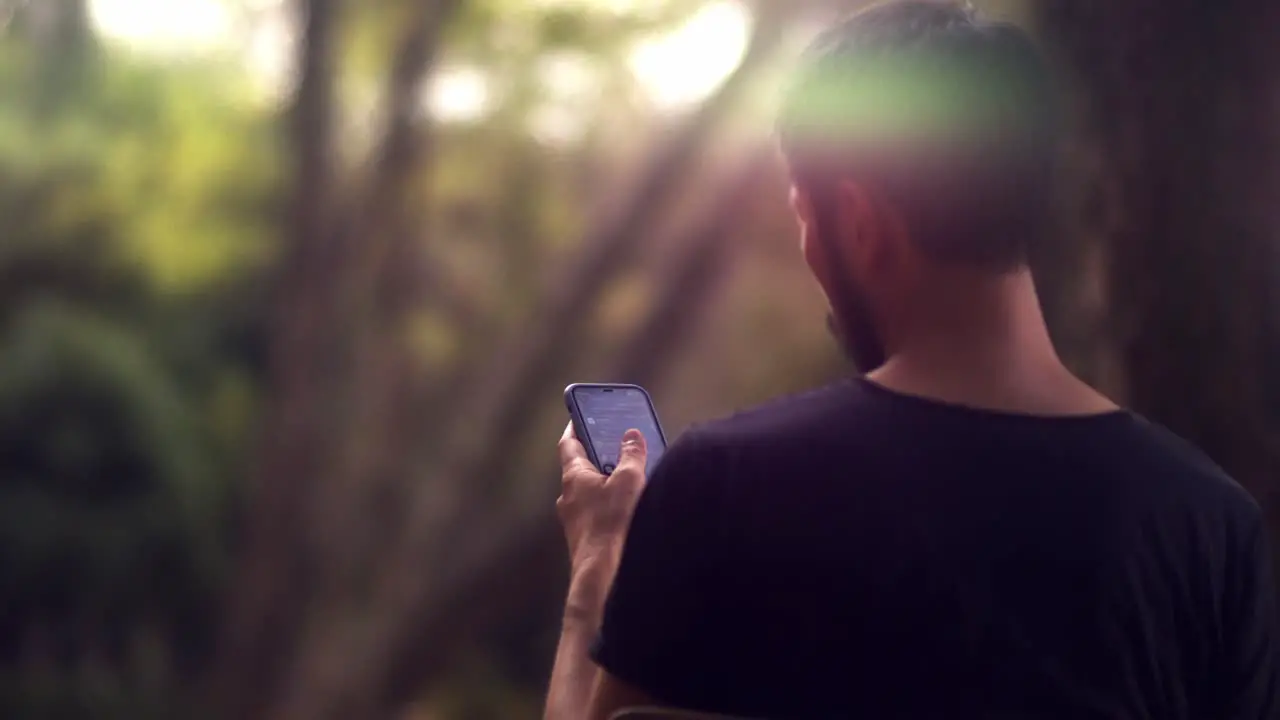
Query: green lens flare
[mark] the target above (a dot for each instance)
(901, 100)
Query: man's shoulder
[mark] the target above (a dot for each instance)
(795, 419)
(1187, 474)
(782, 415)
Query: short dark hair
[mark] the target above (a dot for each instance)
(949, 117)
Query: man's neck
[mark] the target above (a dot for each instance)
(988, 348)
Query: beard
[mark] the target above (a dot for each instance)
(850, 320)
(850, 323)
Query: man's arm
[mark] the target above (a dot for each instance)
(1252, 664)
(595, 511)
(642, 588)
(579, 688)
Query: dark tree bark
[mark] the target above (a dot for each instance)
(344, 378)
(385, 285)
(55, 26)
(263, 611)
(1182, 104)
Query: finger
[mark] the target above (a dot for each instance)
(633, 455)
(571, 451)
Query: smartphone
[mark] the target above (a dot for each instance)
(603, 412)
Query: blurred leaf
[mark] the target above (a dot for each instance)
(177, 161)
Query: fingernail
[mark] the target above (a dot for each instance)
(632, 437)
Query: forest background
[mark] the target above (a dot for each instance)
(291, 290)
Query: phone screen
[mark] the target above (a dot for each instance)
(607, 413)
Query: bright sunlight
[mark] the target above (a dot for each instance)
(677, 69)
(684, 66)
(165, 25)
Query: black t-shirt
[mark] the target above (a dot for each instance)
(859, 553)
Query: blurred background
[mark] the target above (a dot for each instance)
(291, 289)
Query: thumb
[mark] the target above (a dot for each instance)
(634, 451)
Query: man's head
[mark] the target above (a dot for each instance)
(920, 142)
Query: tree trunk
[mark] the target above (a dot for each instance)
(1182, 102)
(55, 26)
(305, 353)
(343, 376)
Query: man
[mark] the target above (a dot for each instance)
(966, 531)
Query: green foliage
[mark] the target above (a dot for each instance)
(170, 159)
(108, 516)
(502, 33)
(138, 202)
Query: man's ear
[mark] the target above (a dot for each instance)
(815, 255)
(802, 206)
(874, 237)
(859, 218)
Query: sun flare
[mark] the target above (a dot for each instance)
(676, 69)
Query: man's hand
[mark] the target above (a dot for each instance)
(595, 510)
